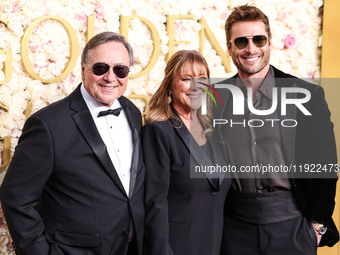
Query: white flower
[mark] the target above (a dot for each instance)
(7, 6)
(52, 68)
(4, 239)
(39, 58)
(8, 121)
(45, 73)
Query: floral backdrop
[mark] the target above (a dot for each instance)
(296, 28)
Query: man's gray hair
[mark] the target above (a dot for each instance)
(102, 38)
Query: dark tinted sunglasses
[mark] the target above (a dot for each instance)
(258, 40)
(101, 68)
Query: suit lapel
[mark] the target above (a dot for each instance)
(86, 125)
(287, 133)
(225, 95)
(182, 131)
(136, 143)
(195, 151)
(203, 160)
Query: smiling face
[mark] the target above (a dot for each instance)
(185, 91)
(250, 61)
(108, 87)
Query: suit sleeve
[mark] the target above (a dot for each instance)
(23, 185)
(157, 180)
(323, 152)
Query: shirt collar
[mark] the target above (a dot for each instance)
(94, 106)
(268, 84)
(266, 88)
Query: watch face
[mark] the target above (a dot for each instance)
(322, 230)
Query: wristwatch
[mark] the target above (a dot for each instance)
(319, 228)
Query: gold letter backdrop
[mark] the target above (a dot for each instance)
(41, 42)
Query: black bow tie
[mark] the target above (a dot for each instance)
(115, 112)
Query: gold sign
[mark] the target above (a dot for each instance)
(74, 44)
(170, 27)
(89, 28)
(5, 107)
(7, 65)
(124, 26)
(6, 152)
(205, 30)
(210, 35)
(73, 54)
(28, 110)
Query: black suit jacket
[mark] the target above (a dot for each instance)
(183, 215)
(61, 193)
(312, 141)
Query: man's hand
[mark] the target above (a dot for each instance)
(318, 237)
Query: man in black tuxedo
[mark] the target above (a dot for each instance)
(280, 212)
(75, 183)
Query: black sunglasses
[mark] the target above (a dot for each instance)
(258, 40)
(101, 68)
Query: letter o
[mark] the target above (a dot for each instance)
(74, 46)
(291, 120)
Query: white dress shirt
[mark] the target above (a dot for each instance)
(116, 134)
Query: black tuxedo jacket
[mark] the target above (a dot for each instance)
(61, 193)
(183, 215)
(310, 142)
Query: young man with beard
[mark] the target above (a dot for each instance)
(277, 212)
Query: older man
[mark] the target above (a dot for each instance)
(75, 183)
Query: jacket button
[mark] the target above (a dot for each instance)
(125, 233)
(212, 192)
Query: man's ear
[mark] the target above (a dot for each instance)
(229, 47)
(82, 71)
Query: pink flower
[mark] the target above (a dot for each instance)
(16, 7)
(283, 16)
(81, 18)
(224, 15)
(290, 41)
(71, 77)
(310, 75)
(34, 46)
(36, 67)
(179, 27)
(99, 11)
(59, 88)
(302, 28)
